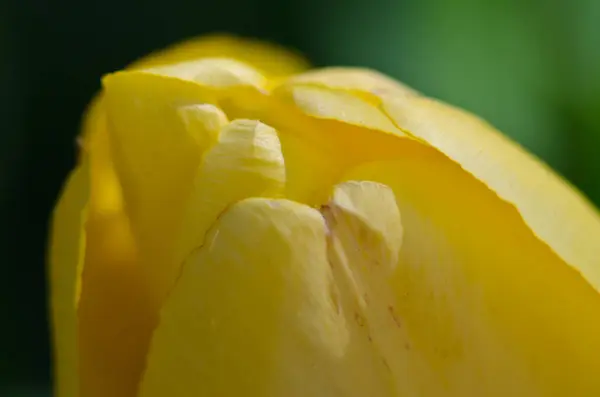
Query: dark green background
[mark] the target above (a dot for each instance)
(530, 67)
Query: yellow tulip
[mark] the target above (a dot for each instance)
(239, 226)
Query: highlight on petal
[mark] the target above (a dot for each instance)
(157, 149)
(256, 290)
(360, 205)
(365, 83)
(270, 59)
(213, 72)
(556, 212)
(203, 122)
(245, 162)
(339, 105)
(283, 300)
(66, 256)
(106, 193)
(553, 209)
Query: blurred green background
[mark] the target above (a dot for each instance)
(530, 67)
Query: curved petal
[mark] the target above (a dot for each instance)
(270, 59)
(554, 211)
(278, 302)
(66, 256)
(112, 343)
(115, 309)
(156, 152)
(489, 309)
(336, 104)
(246, 161)
(366, 83)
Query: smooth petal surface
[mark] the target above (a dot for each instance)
(551, 207)
(112, 278)
(489, 309)
(115, 313)
(67, 253)
(270, 59)
(555, 212)
(156, 156)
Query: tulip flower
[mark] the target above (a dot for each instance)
(239, 225)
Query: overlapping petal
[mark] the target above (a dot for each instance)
(329, 233)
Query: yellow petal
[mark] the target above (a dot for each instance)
(490, 310)
(112, 342)
(270, 59)
(93, 120)
(554, 210)
(106, 195)
(326, 129)
(213, 72)
(245, 162)
(156, 152)
(362, 82)
(221, 326)
(258, 311)
(115, 310)
(67, 253)
(310, 168)
(203, 122)
(336, 104)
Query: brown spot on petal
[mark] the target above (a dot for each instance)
(385, 363)
(359, 320)
(394, 317)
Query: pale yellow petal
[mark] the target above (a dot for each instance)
(271, 60)
(213, 72)
(336, 104)
(490, 310)
(553, 209)
(245, 162)
(258, 310)
(324, 129)
(366, 83)
(67, 253)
